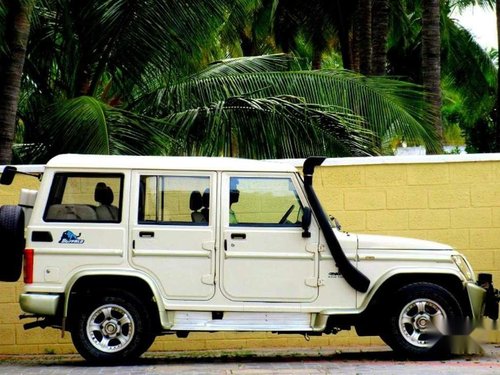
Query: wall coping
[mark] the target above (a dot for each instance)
(367, 160)
(407, 159)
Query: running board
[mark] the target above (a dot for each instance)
(236, 321)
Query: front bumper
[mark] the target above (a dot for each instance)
(485, 280)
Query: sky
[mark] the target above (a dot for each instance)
(481, 23)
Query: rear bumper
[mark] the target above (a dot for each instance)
(40, 304)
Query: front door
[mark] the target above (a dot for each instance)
(173, 232)
(265, 257)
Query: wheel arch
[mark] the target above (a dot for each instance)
(385, 291)
(85, 285)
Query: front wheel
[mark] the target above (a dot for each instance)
(420, 320)
(112, 328)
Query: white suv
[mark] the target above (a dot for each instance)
(121, 249)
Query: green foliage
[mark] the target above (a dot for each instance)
(133, 77)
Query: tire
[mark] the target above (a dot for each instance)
(112, 328)
(12, 237)
(420, 320)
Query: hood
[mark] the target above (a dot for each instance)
(375, 242)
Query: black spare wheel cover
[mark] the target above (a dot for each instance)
(11, 242)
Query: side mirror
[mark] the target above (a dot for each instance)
(306, 222)
(8, 175)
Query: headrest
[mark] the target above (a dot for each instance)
(234, 196)
(103, 194)
(195, 201)
(206, 198)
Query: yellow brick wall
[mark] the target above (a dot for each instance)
(454, 202)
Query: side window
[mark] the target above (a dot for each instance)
(83, 197)
(263, 202)
(174, 200)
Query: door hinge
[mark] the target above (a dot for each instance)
(314, 282)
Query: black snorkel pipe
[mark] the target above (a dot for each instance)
(351, 274)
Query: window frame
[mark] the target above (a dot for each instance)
(160, 200)
(264, 225)
(60, 189)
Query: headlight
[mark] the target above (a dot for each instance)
(463, 266)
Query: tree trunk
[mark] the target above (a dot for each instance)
(356, 41)
(16, 35)
(343, 33)
(380, 28)
(497, 119)
(365, 35)
(431, 63)
(316, 58)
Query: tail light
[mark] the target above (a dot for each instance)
(29, 255)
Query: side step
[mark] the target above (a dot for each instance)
(238, 321)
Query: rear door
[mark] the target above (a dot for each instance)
(173, 231)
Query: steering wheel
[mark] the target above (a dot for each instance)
(287, 213)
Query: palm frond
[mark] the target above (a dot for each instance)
(274, 127)
(86, 125)
(388, 106)
(251, 64)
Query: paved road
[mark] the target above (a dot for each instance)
(368, 360)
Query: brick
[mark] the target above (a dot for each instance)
(364, 199)
(36, 336)
(183, 344)
(457, 238)
(385, 175)
(8, 293)
(331, 201)
(428, 174)
(230, 344)
(9, 313)
(339, 176)
(7, 335)
(473, 173)
(429, 219)
(267, 343)
(19, 349)
(407, 197)
(481, 259)
(485, 238)
(384, 220)
(485, 195)
(495, 217)
(450, 197)
(471, 218)
(352, 220)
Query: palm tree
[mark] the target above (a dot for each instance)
(380, 29)
(15, 15)
(431, 60)
(119, 78)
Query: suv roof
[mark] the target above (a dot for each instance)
(166, 162)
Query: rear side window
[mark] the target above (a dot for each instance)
(82, 197)
(176, 200)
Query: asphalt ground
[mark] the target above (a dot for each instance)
(358, 360)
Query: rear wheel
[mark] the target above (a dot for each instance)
(420, 321)
(111, 328)
(12, 237)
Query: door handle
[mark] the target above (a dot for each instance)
(147, 234)
(238, 236)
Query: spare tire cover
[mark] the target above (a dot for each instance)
(12, 242)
